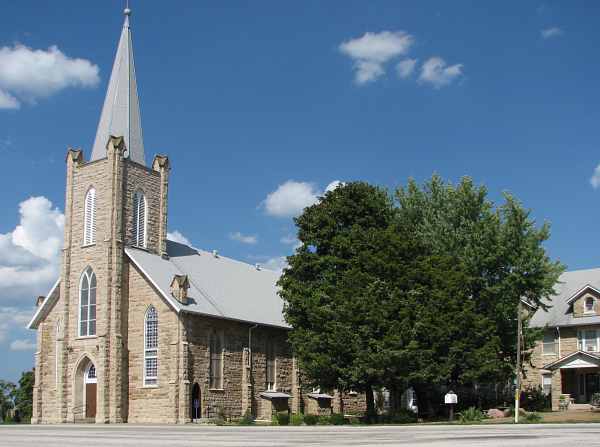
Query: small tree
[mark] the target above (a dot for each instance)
(24, 396)
(7, 391)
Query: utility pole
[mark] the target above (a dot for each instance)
(518, 367)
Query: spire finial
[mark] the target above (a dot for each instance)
(127, 11)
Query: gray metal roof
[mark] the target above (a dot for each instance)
(219, 286)
(570, 283)
(121, 111)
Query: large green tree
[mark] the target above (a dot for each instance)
(336, 283)
(7, 390)
(23, 396)
(422, 292)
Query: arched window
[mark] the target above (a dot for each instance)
(87, 303)
(589, 305)
(139, 219)
(89, 218)
(151, 347)
(216, 361)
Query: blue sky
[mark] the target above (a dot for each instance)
(261, 105)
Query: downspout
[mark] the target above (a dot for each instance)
(558, 330)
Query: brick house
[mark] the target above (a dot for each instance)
(567, 361)
(139, 328)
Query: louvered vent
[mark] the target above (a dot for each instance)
(89, 225)
(139, 220)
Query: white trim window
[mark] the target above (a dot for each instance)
(549, 343)
(547, 384)
(87, 303)
(216, 361)
(588, 340)
(588, 305)
(139, 219)
(90, 374)
(89, 218)
(151, 347)
(271, 362)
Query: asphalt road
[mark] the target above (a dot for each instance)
(563, 435)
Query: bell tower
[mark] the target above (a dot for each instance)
(112, 201)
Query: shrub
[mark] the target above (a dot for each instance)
(337, 419)
(532, 418)
(324, 420)
(471, 414)
(534, 399)
(311, 419)
(297, 419)
(403, 417)
(595, 400)
(247, 419)
(283, 418)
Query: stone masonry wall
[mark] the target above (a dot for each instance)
(151, 403)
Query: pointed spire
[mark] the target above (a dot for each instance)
(121, 111)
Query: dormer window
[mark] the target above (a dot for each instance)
(589, 305)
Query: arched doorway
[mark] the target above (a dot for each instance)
(195, 403)
(90, 380)
(85, 383)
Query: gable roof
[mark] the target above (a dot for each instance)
(46, 306)
(570, 285)
(219, 287)
(580, 292)
(577, 359)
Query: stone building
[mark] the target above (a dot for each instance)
(139, 328)
(566, 363)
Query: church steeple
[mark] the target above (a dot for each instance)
(121, 110)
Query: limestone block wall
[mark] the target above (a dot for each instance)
(139, 177)
(154, 403)
(235, 382)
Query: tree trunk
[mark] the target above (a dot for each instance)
(371, 414)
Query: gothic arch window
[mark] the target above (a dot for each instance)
(89, 218)
(87, 303)
(216, 361)
(139, 219)
(151, 347)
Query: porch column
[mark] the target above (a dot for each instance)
(556, 388)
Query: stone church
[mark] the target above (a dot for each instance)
(139, 328)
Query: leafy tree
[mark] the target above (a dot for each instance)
(498, 258)
(24, 396)
(334, 285)
(422, 292)
(7, 390)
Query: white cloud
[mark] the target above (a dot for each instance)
(7, 101)
(291, 197)
(436, 72)
(406, 67)
(372, 51)
(29, 74)
(289, 239)
(276, 264)
(244, 239)
(595, 179)
(12, 319)
(176, 236)
(551, 32)
(30, 254)
(22, 345)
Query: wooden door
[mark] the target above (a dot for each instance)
(90, 400)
